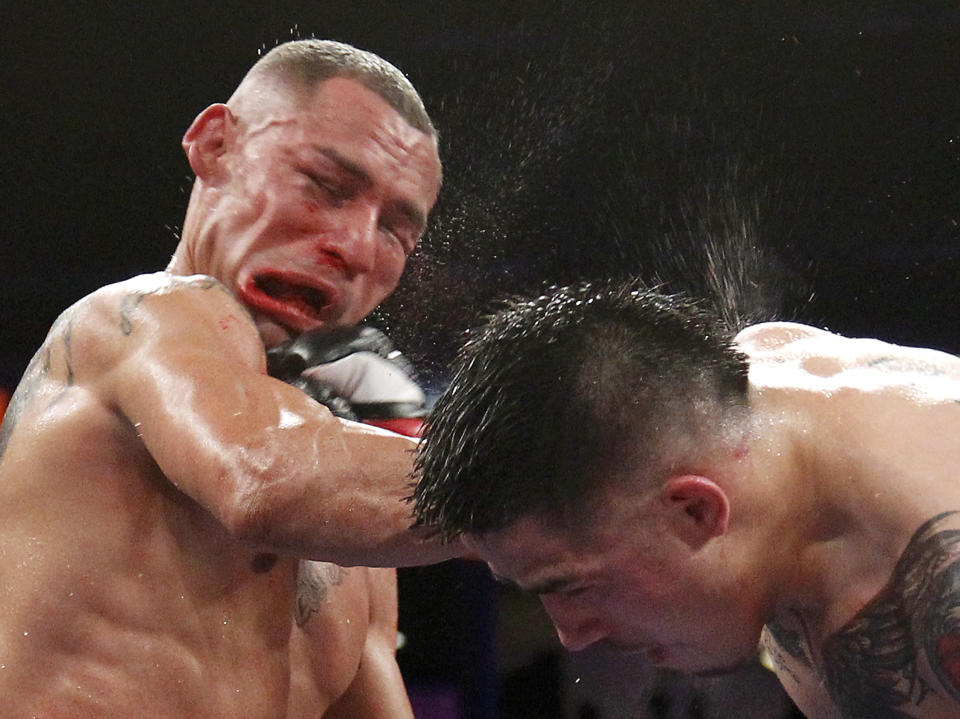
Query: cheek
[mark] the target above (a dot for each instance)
(388, 269)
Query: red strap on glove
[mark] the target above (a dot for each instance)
(409, 426)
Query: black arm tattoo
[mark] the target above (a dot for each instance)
(872, 664)
(792, 641)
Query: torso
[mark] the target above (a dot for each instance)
(884, 639)
(121, 595)
(331, 621)
(111, 578)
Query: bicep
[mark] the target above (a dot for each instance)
(188, 373)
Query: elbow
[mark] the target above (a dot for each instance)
(259, 510)
(250, 522)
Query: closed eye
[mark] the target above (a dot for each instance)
(569, 587)
(402, 233)
(334, 189)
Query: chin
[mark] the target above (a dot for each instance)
(271, 333)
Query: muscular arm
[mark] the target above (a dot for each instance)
(377, 691)
(183, 363)
(900, 656)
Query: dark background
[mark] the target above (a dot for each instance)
(813, 147)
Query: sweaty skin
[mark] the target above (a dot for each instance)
(871, 626)
(343, 645)
(841, 546)
(156, 485)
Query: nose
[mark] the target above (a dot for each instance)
(354, 238)
(576, 631)
(575, 637)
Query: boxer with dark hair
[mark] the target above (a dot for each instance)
(670, 486)
(157, 486)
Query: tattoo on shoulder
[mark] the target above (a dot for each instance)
(314, 580)
(873, 664)
(127, 306)
(132, 299)
(907, 365)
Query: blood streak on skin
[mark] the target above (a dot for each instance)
(226, 322)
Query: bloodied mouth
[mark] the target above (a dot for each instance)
(305, 300)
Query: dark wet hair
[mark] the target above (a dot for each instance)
(564, 393)
(309, 62)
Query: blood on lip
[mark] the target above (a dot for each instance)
(307, 300)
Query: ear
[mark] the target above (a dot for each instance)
(698, 506)
(208, 138)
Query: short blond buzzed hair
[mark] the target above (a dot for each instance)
(307, 63)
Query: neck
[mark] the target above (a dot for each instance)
(780, 510)
(183, 261)
(180, 263)
(806, 530)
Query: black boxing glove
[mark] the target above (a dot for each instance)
(357, 373)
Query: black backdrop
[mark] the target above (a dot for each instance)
(818, 140)
(576, 136)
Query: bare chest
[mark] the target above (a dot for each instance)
(120, 592)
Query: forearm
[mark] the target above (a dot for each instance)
(341, 498)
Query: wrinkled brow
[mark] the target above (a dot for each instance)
(413, 213)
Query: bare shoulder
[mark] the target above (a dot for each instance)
(193, 299)
(774, 336)
(784, 353)
(148, 315)
(156, 309)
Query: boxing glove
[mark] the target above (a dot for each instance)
(357, 373)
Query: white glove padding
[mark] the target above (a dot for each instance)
(355, 371)
(374, 386)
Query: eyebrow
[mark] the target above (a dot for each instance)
(412, 212)
(545, 586)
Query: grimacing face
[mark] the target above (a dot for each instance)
(626, 589)
(319, 207)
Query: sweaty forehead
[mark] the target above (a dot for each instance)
(363, 126)
(528, 553)
(536, 551)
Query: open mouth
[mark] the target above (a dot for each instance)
(303, 300)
